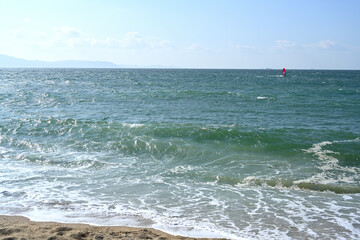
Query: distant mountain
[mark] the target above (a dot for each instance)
(7, 61)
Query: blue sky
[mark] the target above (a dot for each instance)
(321, 34)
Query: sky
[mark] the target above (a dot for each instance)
(239, 34)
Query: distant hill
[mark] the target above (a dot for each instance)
(7, 61)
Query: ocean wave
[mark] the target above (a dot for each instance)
(300, 185)
(72, 143)
(103, 131)
(285, 184)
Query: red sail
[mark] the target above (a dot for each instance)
(284, 72)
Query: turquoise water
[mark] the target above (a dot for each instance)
(217, 153)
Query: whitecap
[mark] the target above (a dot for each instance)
(330, 163)
(132, 125)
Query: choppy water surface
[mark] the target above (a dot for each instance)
(218, 153)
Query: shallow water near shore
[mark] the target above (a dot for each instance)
(214, 153)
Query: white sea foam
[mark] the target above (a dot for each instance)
(347, 197)
(330, 163)
(182, 169)
(133, 125)
(288, 212)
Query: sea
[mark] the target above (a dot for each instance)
(237, 154)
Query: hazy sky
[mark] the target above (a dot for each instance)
(186, 33)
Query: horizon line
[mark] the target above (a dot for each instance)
(181, 68)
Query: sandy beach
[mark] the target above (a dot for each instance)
(21, 228)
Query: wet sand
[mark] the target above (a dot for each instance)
(21, 228)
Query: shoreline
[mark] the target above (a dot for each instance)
(22, 228)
